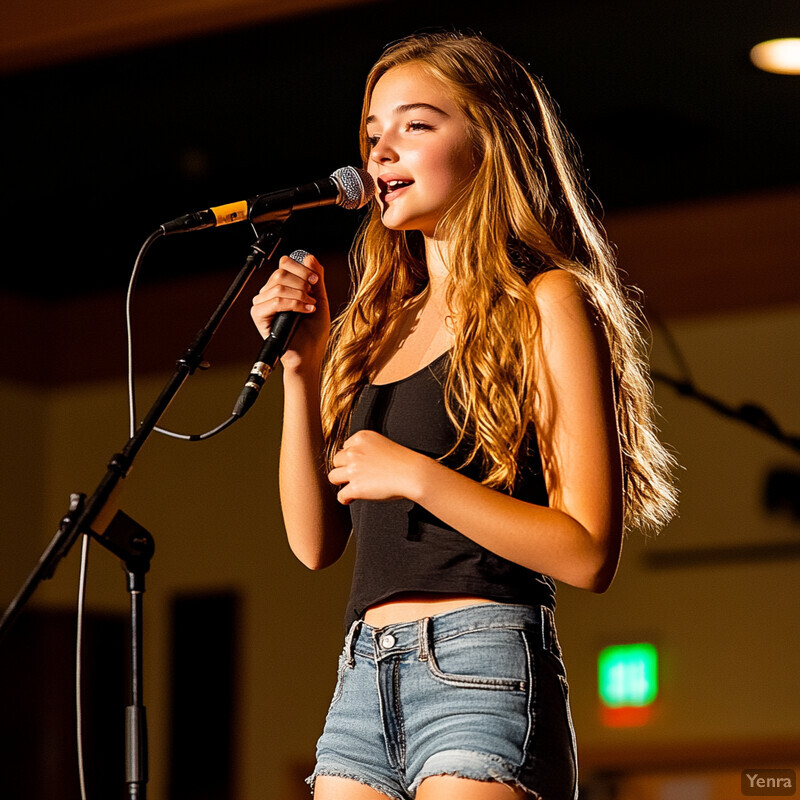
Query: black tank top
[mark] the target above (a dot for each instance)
(401, 547)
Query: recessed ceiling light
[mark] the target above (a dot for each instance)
(778, 55)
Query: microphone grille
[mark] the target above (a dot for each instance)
(356, 187)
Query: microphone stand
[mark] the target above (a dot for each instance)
(122, 535)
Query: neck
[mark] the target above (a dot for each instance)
(437, 260)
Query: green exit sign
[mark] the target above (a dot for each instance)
(628, 675)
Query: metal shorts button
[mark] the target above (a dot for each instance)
(388, 641)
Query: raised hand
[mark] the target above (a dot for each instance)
(299, 288)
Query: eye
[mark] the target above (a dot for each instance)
(371, 140)
(418, 125)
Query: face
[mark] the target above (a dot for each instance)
(420, 148)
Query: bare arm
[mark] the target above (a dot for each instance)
(577, 539)
(316, 525)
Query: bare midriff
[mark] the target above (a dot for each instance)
(411, 607)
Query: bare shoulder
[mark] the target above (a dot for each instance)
(558, 289)
(565, 313)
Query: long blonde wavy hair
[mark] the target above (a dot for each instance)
(524, 211)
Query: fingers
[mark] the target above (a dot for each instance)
(339, 477)
(348, 453)
(291, 287)
(372, 467)
(292, 274)
(339, 458)
(345, 469)
(287, 296)
(302, 264)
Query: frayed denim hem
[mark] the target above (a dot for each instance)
(512, 782)
(474, 766)
(377, 786)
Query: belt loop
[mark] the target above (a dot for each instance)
(545, 613)
(551, 643)
(350, 642)
(423, 633)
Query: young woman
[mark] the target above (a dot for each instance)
(486, 415)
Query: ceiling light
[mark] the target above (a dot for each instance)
(778, 55)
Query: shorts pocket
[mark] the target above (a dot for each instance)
(491, 658)
(550, 766)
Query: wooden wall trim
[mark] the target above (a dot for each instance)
(37, 33)
(717, 256)
(772, 753)
(714, 255)
(79, 339)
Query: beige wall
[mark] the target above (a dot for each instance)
(213, 511)
(727, 633)
(23, 445)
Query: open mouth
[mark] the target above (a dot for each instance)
(390, 187)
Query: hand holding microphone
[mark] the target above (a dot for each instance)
(295, 289)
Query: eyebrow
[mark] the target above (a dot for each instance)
(411, 107)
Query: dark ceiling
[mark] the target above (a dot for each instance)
(660, 95)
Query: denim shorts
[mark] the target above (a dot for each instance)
(479, 693)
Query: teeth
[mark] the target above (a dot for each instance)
(396, 184)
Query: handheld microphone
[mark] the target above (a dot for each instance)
(348, 187)
(280, 333)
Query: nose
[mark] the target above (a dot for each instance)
(384, 151)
